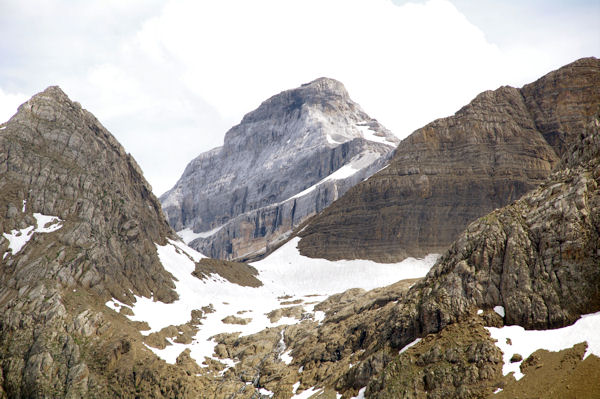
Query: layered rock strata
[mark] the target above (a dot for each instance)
(79, 226)
(537, 258)
(455, 169)
(287, 160)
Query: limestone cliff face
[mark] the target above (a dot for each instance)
(276, 168)
(455, 169)
(91, 222)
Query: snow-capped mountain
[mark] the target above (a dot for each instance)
(287, 160)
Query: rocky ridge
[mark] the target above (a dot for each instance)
(286, 160)
(537, 258)
(455, 169)
(79, 226)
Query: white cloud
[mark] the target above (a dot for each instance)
(9, 102)
(405, 65)
(169, 77)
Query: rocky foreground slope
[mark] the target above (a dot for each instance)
(287, 160)
(79, 226)
(455, 169)
(534, 263)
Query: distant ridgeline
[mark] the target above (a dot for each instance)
(286, 161)
(456, 169)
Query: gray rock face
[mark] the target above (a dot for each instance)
(257, 187)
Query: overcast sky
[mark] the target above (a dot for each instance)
(169, 77)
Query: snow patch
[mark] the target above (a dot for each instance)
(46, 224)
(480, 311)
(370, 135)
(416, 341)
(525, 342)
(356, 164)
(295, 387)
(284, 272)
(361, 393)
(17, 239)
(286, 357)
(319, 316)
(301, 275)
(500, 310)
(188, 235)
(264, 391)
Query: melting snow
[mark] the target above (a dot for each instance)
(295, 387)
(284, 272)
(286, 357)
(416, 341)
(525, 342)
(188, 235)
(356, 164)
(500, 310)
(361, 394)
(17, 239)
(369, 134)
(264, 391)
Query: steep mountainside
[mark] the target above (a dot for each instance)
(455, 169)
(79, 225)
(287, 160)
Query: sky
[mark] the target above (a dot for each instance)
(169, 77)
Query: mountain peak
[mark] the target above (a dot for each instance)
(61, 161)
(326, 85)
(283, 153)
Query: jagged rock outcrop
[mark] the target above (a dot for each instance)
(455, 169)
(57, 159)
(79, 225)
(287, 160)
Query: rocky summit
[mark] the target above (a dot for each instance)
(79, 226)
(456, 169)
(287, 160)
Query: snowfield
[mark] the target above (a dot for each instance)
(286, 276)
(525, 342)
(17, 239)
